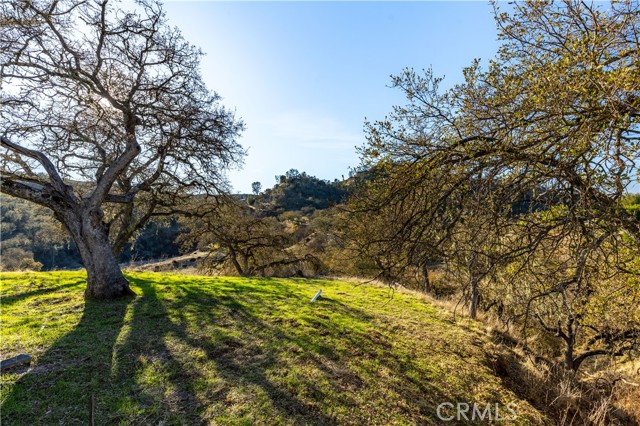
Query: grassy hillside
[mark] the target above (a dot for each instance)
(229, 351)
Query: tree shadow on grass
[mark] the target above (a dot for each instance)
(286, 374)
(133, 356)
(16, 298)
(204, 367)
(221, 352)
(76, 366)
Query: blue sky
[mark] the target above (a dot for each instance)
(304, 75)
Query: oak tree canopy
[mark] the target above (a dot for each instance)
(517, 176)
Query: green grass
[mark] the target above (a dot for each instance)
(232, 351)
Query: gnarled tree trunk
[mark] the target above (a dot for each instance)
(91, 235)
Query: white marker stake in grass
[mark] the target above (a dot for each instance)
(316, 296)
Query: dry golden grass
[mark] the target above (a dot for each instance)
(609, 397)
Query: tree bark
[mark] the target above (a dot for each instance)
(570, 341)
(474, 298)
(105, 280)
(234, 260)
(474, 283)
(427, 282)
(568, 357)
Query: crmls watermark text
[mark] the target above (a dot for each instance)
(448, 411)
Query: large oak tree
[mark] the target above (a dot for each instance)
(105, 120)
(539, 150)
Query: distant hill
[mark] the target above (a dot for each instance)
(298, 191)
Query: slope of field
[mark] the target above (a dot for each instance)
(229, 351)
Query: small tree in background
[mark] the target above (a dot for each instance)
(256, 187)
(239, 240)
